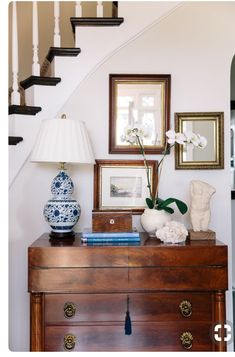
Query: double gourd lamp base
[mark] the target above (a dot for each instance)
(62, 140)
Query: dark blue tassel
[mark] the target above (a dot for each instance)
(128, 329)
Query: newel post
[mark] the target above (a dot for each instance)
(35, 66)
(15, 95)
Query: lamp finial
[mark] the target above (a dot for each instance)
(63, 116)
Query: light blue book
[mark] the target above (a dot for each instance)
(110, 239)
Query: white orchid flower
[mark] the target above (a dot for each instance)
(180, 138)
(131, 133)
(195, 140)
(202, 141)
(141, 130)
(174, 137)
(188, 135)
(192, 138)
(171, 136)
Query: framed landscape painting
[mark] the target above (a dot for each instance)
(122, 184)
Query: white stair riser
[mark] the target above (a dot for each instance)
(45, 97)
(26, 126)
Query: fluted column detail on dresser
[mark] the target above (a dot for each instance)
(220, 319)
(36, 322)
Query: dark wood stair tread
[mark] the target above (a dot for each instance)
(13, 140)
(39, 80)
(62, 52)
(23, 109)
(233, 194)
(95, 21)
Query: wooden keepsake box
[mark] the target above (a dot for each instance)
(111, 221)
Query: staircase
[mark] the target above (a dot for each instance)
(64, 69)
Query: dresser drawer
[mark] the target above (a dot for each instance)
(62, 308)
(178, 278)
(144, 337)
(173, 306)
(88, 280)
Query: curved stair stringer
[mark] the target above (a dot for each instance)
(27, 127)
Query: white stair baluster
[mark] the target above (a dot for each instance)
(57, 25)
(78, 9)
(99, 9)
(15, 95)
(35, 66)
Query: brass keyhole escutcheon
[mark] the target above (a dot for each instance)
(187, 340)
(69, 310)
(186, 308)
(69, 342)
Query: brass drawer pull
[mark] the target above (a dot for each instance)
(69, 342)
(69, 310)
(187, 340)
(186, 308)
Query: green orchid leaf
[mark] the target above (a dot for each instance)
(183, 208)
(180, 204)
(159, 200)
(167, 209)
(149, 203)
(160, 206)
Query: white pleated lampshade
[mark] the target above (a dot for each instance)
(62, 140)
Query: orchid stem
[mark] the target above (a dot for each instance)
(159, 168)
(146, 167)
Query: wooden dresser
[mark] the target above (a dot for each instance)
(79, 295)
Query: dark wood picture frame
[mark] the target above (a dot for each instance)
(121, 164)
(164, 81)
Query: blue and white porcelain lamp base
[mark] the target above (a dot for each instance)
(62, 140)
(62, 211)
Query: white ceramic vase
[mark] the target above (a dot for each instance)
(152, 219)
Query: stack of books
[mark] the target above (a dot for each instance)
(110, 238)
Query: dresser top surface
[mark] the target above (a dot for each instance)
(44, 241)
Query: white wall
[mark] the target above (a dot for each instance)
(233, 79)
(233, 243)
(195, 45)
(233, 169)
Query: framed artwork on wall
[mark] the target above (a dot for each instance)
(211, 126)
(122, 184)
(139, 100)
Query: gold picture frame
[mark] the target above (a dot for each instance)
(208, 124)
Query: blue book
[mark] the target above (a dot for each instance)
(124, 244)
(110, 239)
(89, 234)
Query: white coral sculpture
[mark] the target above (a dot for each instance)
(172, 232)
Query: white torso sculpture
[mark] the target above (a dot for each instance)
(200, 214)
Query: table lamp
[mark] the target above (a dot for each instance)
(62, 140)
